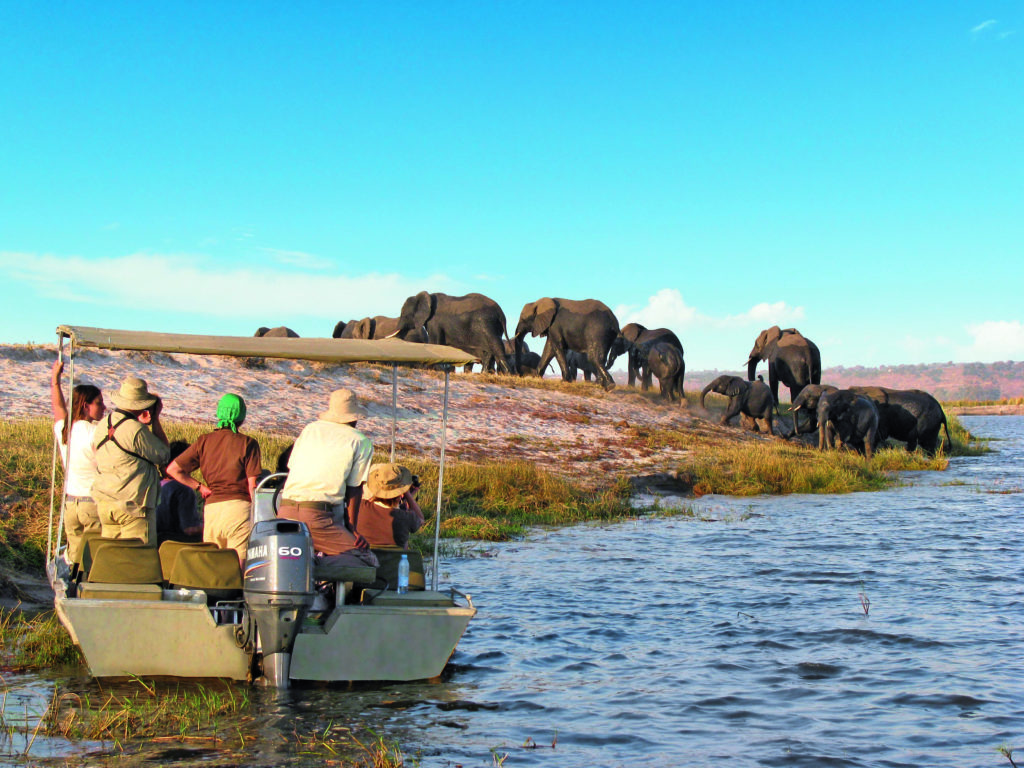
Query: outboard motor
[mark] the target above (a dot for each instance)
(278, 590)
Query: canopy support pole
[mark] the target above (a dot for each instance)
(394, 408)
(440, 480)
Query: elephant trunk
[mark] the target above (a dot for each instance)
(752, 367)
(704, 393)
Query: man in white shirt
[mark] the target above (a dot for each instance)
(326, 470)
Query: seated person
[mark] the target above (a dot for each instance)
(326, 469)
(177, 517)
(388, 513)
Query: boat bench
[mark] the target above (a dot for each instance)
(120, 569)
(421, 599)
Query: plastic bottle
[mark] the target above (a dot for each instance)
(403, 575)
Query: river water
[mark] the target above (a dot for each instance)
(874, 629)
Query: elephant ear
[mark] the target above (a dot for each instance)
(364, 329)
(546, 311)
(261, 331)
(339, 329)
(735, 387)
(631, 332)
(423, 308)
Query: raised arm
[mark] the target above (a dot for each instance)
(57, 401)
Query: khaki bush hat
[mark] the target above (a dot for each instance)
(133, 395)
(343, 407)
(388, 481)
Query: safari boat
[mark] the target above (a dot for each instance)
(189, 611)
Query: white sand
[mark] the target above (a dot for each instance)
(587, 434)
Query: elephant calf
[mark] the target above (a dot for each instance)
(666, 362)
(806, 404)
(852, 417)
(750, 398)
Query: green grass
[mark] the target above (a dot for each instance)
(146, 710)
(38, 642)
(497, 501)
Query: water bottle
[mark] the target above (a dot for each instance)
(403, 575)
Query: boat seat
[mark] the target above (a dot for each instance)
(363, 574)
(91, 591)
(421, 599)
(83, 548)
(117, 562)
(96, 544)
(215, 571)
(389, 558)
(169, 553)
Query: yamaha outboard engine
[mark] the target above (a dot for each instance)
(278, 590)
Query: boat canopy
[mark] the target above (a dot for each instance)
(323, 350)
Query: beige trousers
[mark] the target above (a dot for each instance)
(227, 524)
(122, 521)
(80, 518)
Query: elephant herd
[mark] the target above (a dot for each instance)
(584, 335)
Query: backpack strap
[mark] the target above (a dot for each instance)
(112, 428)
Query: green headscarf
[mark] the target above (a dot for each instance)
(230, 412)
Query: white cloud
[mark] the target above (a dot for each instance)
(186, 284)
(995, 340)
(668, 309)
(984, 26)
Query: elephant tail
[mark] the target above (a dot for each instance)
(949, 439)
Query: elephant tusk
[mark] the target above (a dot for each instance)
(392, 335)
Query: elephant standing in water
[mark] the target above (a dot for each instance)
(586, 326)
(793, 359)
(749, 398)
(473, 323)
(635, 341)
(665, 361)
(852, 417)
(910, 415)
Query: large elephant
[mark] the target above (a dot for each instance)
(806, 404)
(635, 341)
(586, 326)
(851, 417)
(473, 323)
(749, 398)
(793, 359)
(280, 332)
(910, 415)
(665, 360)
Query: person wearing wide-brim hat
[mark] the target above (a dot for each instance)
(130, 448)
(389, 514)
(326, 470)
(231, 464)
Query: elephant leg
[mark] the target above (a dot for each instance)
(646, 378)
(558, 351)
(731, 409)
(773, 381)
(598, 357)
(547, 354)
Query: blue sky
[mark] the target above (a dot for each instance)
(854, 170)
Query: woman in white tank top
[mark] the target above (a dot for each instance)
(79, 460)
